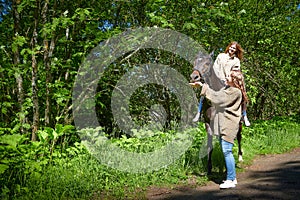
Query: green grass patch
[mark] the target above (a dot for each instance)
(275, 136)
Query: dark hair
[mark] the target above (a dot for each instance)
(239, 50)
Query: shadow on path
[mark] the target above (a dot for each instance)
(269, 177)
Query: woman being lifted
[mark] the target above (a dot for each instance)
(223, 65)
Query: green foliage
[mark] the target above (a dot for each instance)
(268, 31)
(274, 136)
(8, 149)
(74, 174)
(21, 159)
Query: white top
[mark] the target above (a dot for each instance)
(224, 64)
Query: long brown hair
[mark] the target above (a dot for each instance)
(239, 50)
(238, 82)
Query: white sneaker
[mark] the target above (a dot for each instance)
(234, 181)
(246, 121)
(196, 118)
(241, 158)
(227, 184)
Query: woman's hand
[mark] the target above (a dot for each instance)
(196, 84)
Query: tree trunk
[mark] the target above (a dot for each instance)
(48, 52)
(47, 63)
(35, 99)
(16, 62)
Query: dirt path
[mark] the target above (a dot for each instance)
(269, 177)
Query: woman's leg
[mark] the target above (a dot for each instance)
(244, 114)
(196, 118)
(200, 104)
(229, 159)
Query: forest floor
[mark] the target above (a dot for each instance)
(275, 176)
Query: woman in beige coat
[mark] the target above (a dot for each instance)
(227, 102)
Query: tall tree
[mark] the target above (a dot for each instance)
(34, 72)
(16, 63)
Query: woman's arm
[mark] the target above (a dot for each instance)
(237, 65)
(223, 97)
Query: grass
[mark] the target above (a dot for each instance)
(270, 137)
(83, 177)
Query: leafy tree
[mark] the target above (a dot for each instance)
(44, 42)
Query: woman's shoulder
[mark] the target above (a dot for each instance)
(233, 90)
(222, 54)
(236, 58)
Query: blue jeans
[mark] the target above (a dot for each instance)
(200, 104)
(244, 113)
(229, 159)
